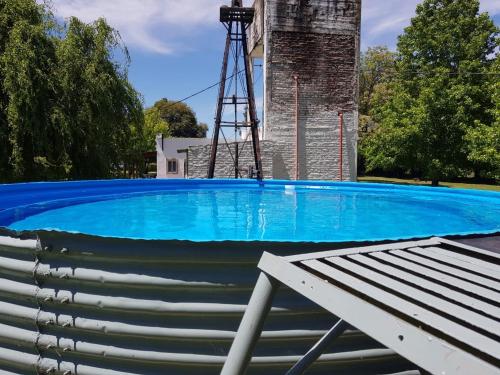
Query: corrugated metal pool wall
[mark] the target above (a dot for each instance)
(75, 304)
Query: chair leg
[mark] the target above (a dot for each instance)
(313, 354)
(251, 326)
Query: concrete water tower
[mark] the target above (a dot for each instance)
(310, 50)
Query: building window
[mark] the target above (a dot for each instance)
(172, 166)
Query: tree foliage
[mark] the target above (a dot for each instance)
(377, 70)
(181, 119)
(26, 66)
(67, 109)
(154, 124)
(377, 73)
(483, 140)
(441, 99)
(97, 97)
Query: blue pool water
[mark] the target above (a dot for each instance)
(275, 212)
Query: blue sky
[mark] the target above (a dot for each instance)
(176, 45)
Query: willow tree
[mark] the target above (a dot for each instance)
(441, 92)
(67, 109)
(27, 90)
(99, 107)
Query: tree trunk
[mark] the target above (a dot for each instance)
(477, 174)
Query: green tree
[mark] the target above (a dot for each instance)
(377, 73)
(484, 140)
(441, 92)
(181, 119)
(377, 70)
(154, 124)
(10, 14)
(99, 105)
(30, 140)
(390, 146)
(67, 109)
(202, 130)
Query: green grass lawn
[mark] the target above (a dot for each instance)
(409, 181)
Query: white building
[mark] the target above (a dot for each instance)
(170, 163)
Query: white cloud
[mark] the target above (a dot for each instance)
(490, 6)
(152, 25)
(161, 26)
(389, 25)
(383, 21)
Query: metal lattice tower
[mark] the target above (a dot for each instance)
(236, 92)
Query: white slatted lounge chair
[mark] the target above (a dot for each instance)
(435, 302)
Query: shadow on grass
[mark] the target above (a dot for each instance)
(402, 182)
(416, 182)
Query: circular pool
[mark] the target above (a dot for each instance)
(153, 276)
(242, 210)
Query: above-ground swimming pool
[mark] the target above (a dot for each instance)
(242, 210)
(152, 277)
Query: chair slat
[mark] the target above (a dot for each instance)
(446, 308)
(430, 286)
(415, 256)
(402, 306)
(463, 261)
(438, 276)
(450, 261)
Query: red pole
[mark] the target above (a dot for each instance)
(296, 79)
(341, 138)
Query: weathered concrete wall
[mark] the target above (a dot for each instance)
(224, 166)
(318, 41)
(256, 31)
